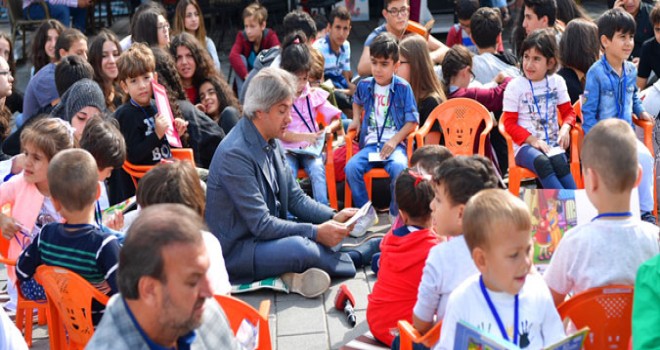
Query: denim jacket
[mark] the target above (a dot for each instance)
(604, 89)
(403, 107)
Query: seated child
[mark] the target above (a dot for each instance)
(610, 92)
(505, 299)
(25, 198)
(403, 252)
(78, 245)
(103, 140)
(610, 248)
(531, 106)
(390, 114)
(303, 130)
(461, 34)
(457, 75)
(140, 122)
(449, 264)
(250, 41)
(490, 60)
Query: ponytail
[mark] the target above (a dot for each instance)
(296, 57)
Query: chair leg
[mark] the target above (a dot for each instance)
(514, 182)
(347, 195)
(368, 180)
(41, 316)
(29, 318)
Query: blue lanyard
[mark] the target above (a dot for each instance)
(381, 131)
(500, 325)
(311, 118)
(141, 108)
(99, 215)
(547, 102)
(612, 215)
(619, 102)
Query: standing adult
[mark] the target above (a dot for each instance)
(165, 298)
(250, 190)
(396, 14)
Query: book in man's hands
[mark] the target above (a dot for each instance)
(315, 149)
(469, 337)
(363, 219)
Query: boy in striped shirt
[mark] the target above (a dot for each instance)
(78, 245)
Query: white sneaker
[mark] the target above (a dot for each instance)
(310, 284)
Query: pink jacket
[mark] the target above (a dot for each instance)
(25, 202)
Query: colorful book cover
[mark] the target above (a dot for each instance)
(469, 337)
(556, 211)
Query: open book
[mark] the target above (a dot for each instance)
(314, 149)
(469, 337)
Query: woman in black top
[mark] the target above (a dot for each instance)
(579, 48)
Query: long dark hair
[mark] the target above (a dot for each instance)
(204, 66)
(144, 29)
(295, 53)
(95, 58)
(226, 96)
(543, 41)
(37, 52)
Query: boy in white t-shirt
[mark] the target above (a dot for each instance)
(449, 264)
(610, 248)
(505, 300)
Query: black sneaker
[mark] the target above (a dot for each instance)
(649, 217)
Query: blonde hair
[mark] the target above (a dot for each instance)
(423, 80)
(258, 12)
(75, 164)
(610, 149)
(493, 210)
(318, 65)
(49, 135)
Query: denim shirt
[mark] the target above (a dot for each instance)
(604, 89)
(402, 109)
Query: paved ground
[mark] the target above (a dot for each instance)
(295, 322)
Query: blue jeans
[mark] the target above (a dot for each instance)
(315, 170)
(297, 254)
(59, 12)
(359, 164)
(553, 172)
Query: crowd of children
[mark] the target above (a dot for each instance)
(459, 249)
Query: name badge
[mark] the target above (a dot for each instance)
(374, 157)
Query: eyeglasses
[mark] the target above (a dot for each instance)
(165, 26)
(398, 11)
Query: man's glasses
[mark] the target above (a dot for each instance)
(398, 11)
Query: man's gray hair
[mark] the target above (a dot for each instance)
(269, 87)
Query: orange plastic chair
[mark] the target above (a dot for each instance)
(518, 173)
(238, 310)
(459, 120)
(647, 126)
(329, 166)
(24, 307)
(69, 306)
(607, 311)
(409, 335)
(137, 171)
(375, 173)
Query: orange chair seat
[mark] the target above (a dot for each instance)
(237, 310)
(409, 335)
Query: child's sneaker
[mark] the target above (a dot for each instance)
(310, 284)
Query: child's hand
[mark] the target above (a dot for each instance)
(647, 116)
(539, 145)
(180, 125)
(499, 78)
(565, 136)
(17, 163)
(354, 125)
(388, 148)
(114, 221)
(161, 125)
(9, 226)
(201, 107)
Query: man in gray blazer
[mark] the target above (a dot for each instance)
(250, 190)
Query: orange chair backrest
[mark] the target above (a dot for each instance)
(460, 120)
(417, 28)
(70, 298)
(607, 311)
(237, 310)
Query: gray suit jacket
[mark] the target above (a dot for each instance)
(241, 204)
